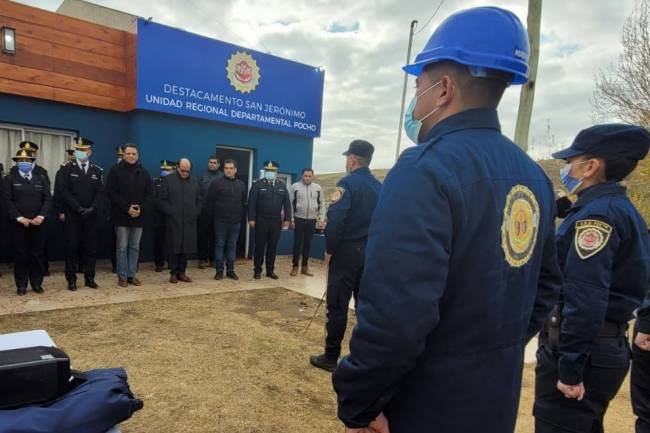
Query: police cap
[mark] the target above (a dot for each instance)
(360, 148)
(28, 146)
(609, 140)
(271, 166)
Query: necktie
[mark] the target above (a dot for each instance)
(83, 168)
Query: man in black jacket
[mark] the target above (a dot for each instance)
(268, 198)
(27, 197)
(226, 201)
(129, 187)
(80, 185)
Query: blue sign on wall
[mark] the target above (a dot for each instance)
(183, 73)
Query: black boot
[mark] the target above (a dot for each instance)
(232, 275)
(257, 275)
(72, 285)
(218, 275)
(322, 361)
(90, 282)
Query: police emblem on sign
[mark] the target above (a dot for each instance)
(520, 226)
(242, 72)
(591, 237)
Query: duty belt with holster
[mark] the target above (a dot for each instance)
(554, 325)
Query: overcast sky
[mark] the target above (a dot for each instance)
(361, 45)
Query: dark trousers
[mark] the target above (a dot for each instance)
(29, 246)
(267, 235)
(226, 237)
(603, 376)
(81, 236)
(177, 264)
(159, 253)
(205, 237)
(302, 235)
(344, 276)
(640, 388)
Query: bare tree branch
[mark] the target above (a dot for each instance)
(623, 89)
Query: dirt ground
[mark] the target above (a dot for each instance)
(224, 361)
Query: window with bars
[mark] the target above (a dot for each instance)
(52, 145)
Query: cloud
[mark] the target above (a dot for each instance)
(362, 45)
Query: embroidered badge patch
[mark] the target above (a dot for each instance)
(591, 237)
(520, 226)
(337, 194)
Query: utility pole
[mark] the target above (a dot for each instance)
(406, 77)
(527, 95)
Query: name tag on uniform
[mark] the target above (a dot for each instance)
(74, 175)
(18, 184)
(263, 190)
(38, 186)
(93, 177)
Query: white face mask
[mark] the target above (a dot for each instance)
(412, 126)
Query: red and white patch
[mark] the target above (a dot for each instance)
(591, 237)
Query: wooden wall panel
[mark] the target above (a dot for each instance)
(68, 60)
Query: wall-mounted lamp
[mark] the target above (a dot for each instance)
(8, 40)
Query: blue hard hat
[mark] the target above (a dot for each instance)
(484, 39)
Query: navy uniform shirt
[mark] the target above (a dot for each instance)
(77, 189)
(27, 198)
(604, 253)
(36, 170)
(460, 272)
(643, 316)
(268, 199)
(348, 217)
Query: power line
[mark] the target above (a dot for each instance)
(430, 18)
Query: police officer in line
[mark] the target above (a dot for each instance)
(159, 254)
(119, 153)
(268, 199)
(27, 197)
(460, 270)
(604, 253)
(37, 169)
(640, 375)
(57, 204)
(80, 187)
(348, 218)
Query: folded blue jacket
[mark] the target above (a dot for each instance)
(101, 402)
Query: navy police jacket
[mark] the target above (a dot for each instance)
(460, 272)
(349, 214)
(268, 200)
(604, 253)
(643, 317)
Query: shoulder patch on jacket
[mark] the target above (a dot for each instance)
(591, 237)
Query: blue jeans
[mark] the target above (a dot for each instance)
(127, 250)
(226, 236)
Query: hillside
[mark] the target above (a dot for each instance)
(638, 184)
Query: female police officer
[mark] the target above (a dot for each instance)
(604, 251)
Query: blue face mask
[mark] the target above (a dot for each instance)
(164, 173)
(80, 155)
(412, 126)
(270, 175)
(570, 183)
(25, 167)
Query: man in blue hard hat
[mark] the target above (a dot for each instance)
(460, 271)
